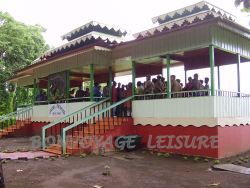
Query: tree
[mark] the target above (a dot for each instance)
(245, 3)
(20, 44)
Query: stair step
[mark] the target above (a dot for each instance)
(91, 132)
(54, 146)
(14, 127)
(92, 128)
(54, 151)
(57, 149)
(4, 132)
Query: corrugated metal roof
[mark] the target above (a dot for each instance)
(104, 28)
(191, 10)
(82, 39)
(184, 21)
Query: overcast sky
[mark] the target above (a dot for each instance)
(61, 16)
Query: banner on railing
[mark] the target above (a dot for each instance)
(57, 110)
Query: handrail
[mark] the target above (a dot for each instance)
(64, 130)
(9, 114)
(193, 93)
(231, 93)
(3, 118)
(55, 122)
(67, 100)
(180, 94)
(14, 119)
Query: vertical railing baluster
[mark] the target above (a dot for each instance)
(109, 113)
(78, 135)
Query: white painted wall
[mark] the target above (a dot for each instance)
(41, 112)
(173, 108)
(232, 107)
(198, 111)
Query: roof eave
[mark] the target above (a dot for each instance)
(45, 62)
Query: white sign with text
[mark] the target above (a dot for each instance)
(57, 110)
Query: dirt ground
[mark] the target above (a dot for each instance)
(138, 169)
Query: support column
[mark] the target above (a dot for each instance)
(133, 78)
(91, 86)
(110, 81)
(28, 96)
(238, 72)
(218, 71)
(168, 76)
(185, 76)
(67, 84)
(34, 91)
(48, 91)
(17, 96)
(211, 59)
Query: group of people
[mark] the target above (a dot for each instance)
(84, 95)
(156, 85)
(159, 85)
(120, 92)
(79, 94)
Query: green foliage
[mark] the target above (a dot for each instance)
(20, 45)
(245, 3)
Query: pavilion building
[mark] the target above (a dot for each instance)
(213, 124)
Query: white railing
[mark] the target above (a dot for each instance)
(69, 100)
(233, 107)
(181, 94)
(230, 94)
(195, 93)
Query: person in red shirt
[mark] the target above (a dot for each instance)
(189, 85)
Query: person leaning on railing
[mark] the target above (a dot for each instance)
(188, 86)
(157, 87)
(196, 85)
(79, 94)
(97, 92)
(148, 86)
(175, 87)
(105, 91)
(139, 90)
(41, 97)
(206, 87)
